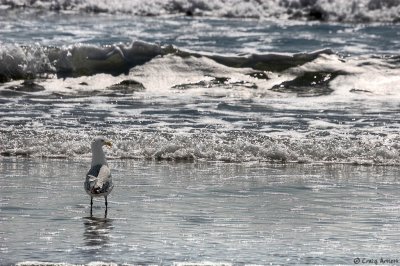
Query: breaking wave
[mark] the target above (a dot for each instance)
(23, 62)
(235, 146)
(28, 62)
(164, 103)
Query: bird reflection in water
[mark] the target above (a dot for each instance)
(97, 230)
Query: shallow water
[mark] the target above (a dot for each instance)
(164, 213)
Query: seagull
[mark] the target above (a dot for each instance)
(98, 180)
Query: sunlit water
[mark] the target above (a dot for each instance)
(219, 94)
(165, 213)
(215, 35)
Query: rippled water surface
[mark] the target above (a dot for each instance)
(164, 213)
(215, 35)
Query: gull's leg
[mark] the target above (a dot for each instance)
(105, 213)
(91, 205)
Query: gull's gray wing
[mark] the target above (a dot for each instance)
(103, 177)
(98, 179)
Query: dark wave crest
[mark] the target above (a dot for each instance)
(27, 62)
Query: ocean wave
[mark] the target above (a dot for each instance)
(233, 146)
(36, 61)
(134, 65)
(323, 10)
(165, 103)
(23, 62)
(127, 69)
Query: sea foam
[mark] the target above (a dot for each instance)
(326, 10)
(182, 105)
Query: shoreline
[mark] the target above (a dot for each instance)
(199, 161)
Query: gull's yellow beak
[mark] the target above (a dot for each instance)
(108, 143)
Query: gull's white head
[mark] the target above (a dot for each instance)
(100, 142)
(98, 156)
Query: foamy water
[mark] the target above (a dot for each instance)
(321, 10)
(176, 88)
